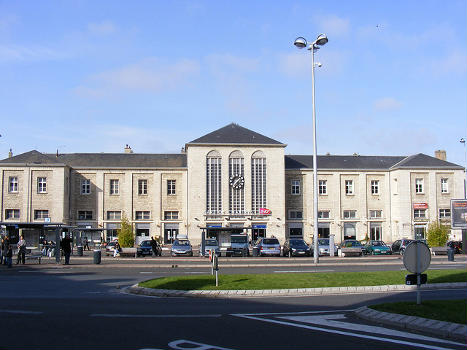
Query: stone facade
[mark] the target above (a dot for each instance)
(166, 195)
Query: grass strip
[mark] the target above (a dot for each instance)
(297, 280)
(441, 310)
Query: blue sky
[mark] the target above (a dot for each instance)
(92, 76)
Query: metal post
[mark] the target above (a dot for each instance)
(57, 244)
(217, 280)
(315, 168)
(203, 242)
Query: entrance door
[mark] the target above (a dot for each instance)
(420, 232)
(257, 233)
(170, 234)
(375, 231)
(323, 230)
(142, 234)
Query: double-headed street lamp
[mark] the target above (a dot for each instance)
(301, 43)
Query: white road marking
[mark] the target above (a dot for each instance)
(329, 320)
(153, 316)
(22, 312)
(335, 331)
(146, 272)
(304, 271)
(295, 313)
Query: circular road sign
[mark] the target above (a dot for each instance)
(417, 257)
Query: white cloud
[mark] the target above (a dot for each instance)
(151, 75)
(293, 64)
(29, 53)
(102, 28)
(333, 25)
(387, 104)
(229, 62)
(454, 62)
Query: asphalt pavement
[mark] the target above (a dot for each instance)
(84, 305)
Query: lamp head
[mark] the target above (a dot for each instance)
(462, 140)
(300, 42)
(321, 40)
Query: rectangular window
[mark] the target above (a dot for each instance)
(444, 186)
(41, 185)
(114, 187)
(295, 214)
(376, 231)
(142, 187)
(114, 215)
(170, 187)
(322, 187)
(13, 184)
(376, 214)
(142, 215)
(41, 214)
(84, 215)
(11, 214)
(374, 187)
(350, 214)
(444, 213)
(295, 187)
(85, 186)
(418, 185)
(419, 213)
(324, 214)
(170, 215)
(348, 187)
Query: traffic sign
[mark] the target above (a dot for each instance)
(417, 257)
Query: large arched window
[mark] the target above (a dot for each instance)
(213, 183)
(258, 182)
(236, 183)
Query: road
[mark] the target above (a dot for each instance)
(86, 306)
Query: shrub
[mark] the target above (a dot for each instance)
(125, 234)
(437, 234)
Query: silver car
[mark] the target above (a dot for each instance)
(268, 246)
(323, 247)
(181, 248)
(210, 244)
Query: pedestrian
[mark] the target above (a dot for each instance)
(21, 251)
(9, 251)
(154, 246)
(1, 251)
(86, 243)
(66, 247)
(117, 249)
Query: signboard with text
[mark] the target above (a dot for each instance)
(459, 213)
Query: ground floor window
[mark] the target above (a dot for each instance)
(170, 233)
(296, 230)
(323, 229)
(349, 230)
(112, 232)
(376, 231)
(420, 232)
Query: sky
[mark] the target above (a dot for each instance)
(93, 76)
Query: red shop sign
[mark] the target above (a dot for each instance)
(420, 205)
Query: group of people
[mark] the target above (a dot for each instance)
(6, 254)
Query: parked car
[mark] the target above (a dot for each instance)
(181, 248)
(145, 248)
(398, 247)
(456, 245)
(350, 247)
(110, 247)
(268, 246)
(295, 247)
(323, 247)
(209, 244)
(377, 248)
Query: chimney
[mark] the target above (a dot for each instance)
(128, 149)
(440, 154)
(10, 154)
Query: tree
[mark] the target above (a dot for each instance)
(125, 234)
(437, 234)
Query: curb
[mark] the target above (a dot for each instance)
(448, 330)
(135, 289)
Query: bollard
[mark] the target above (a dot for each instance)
(450, 254)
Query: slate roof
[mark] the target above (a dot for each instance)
(102, 160)
(359, 162)
(235, 134)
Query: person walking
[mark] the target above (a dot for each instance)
(21, 251)
(8, 251)
(86, 243)
(154, 246)
(66, 247)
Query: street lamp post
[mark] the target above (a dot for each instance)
(301, 43)
(462, 140)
